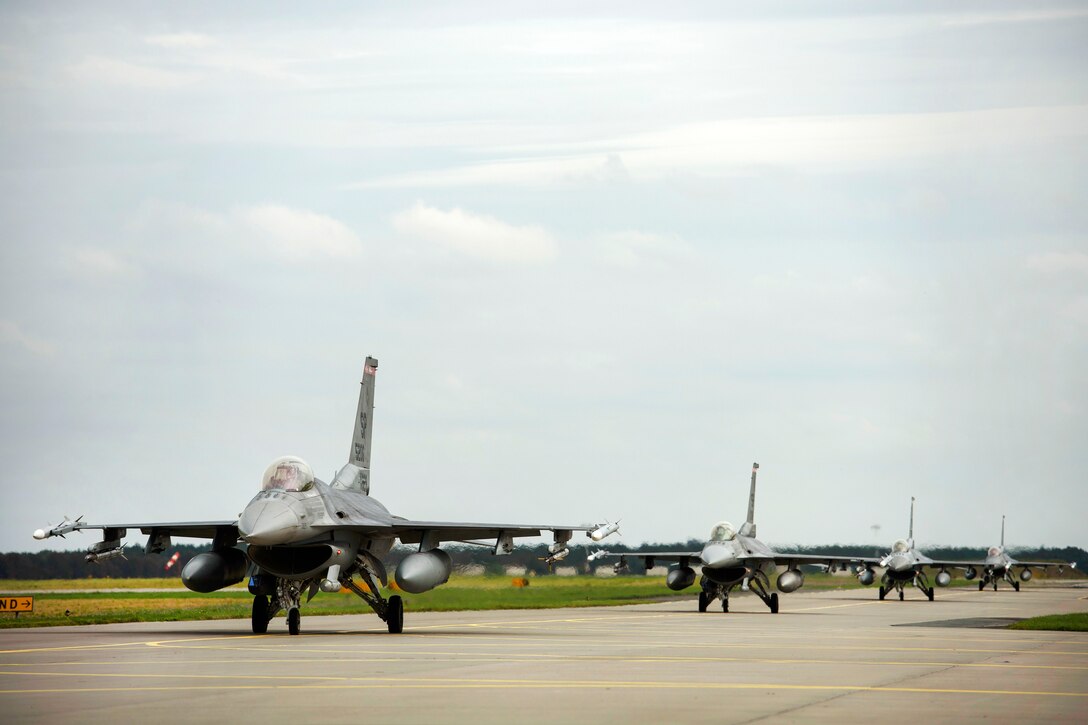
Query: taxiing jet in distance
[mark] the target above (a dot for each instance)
(999, 566)
(731, 559)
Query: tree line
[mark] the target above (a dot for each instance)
(137, 564)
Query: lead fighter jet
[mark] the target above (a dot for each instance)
(732, 558)
(304, 535)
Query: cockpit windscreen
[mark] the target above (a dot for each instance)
(723, 531)
(288, 474)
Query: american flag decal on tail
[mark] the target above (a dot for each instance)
(370, 370)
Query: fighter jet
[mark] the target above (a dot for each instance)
(999, 566)
(732, 558)
(303, 535)
(905, 564)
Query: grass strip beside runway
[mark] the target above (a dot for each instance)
(67, 602)
(1077, 622)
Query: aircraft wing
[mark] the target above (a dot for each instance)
(1043, 564)
(827, 560)
(435, 532)
(941, 563)
(649, 558)
(226, 531)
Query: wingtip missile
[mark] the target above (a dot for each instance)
(605, 530)
(61, 529)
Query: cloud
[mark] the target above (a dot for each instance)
(12, 334)
(633, 248)
(101, 264)
(1006, 18)
(96, 69)
(296, 233)
(1059, 262)
(735, 146)
(472, 235)
(180, 40)
(267, 230)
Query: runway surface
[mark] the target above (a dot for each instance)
(827, 657)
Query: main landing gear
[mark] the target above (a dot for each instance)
(260, 614)
(920, 581)
(758, 583)
(390, 610)
(273, 595)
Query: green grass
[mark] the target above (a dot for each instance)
(461, 593)
(1077, 622)
(53, 608)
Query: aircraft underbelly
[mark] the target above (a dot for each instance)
(301, 562)
(901, 576)
(725, 575)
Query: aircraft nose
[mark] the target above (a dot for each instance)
(716, 557)
(268, 522)
(899, 562)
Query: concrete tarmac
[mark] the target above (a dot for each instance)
(827, 657)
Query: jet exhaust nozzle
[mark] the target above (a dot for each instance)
(214, 570)
(679, 577)
(424, 570)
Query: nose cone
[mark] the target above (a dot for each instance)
(718, 556)
(268, 522)
(900, 562)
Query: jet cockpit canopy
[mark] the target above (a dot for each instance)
(901, 546)
(289, 473)
(723, 531)
(993, 551)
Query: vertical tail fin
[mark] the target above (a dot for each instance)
(749, 528)
(910, 532)
(355, 474)
(1002, 531)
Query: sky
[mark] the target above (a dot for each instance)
(606, 257)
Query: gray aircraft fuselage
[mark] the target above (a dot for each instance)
(729, 562)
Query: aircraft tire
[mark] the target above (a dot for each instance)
(725, 604)
(774, 603)
(260, 614)
(900, 595)
(882, 593)
(930, 595)
(394, 616)
(703, 601)
(981, 586)
(1016, 586)
(294, 620)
